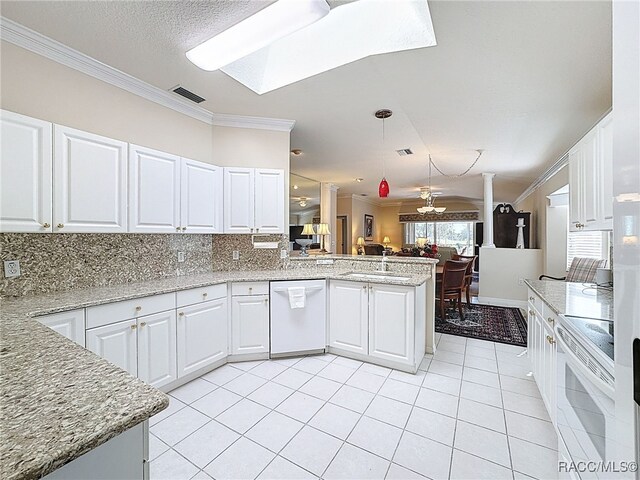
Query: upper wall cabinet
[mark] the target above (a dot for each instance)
(591, 180)
(201, 197)
(154, 191)
(90, 183)
(253, 200)
(25, 174)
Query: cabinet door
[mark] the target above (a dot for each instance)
(349, 316)
(239, 200)
(576, 204)
(605, 144)
(90, 183)
(200, 197)
(68, 324)
(269, 201)
(116, 343)
(202, 335)
(25, 173)
(590, 179)
(154, 191)
(392, 322)
(157, 364)
(249, 324)
(548, 365)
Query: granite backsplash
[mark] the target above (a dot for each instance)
(53, 262)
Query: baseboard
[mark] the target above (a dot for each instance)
(502, 302)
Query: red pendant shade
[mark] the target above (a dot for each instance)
(383, 188)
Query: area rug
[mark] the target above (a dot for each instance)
(485, 322)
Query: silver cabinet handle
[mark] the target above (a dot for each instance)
(177, 229)
(551, 320)
(184, 228)
(46, 225)
(61, 225)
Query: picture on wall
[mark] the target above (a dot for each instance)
(368, 227)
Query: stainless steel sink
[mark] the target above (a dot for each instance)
(375, 276)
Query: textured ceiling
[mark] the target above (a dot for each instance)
(522, 80)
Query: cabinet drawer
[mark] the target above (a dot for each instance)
(535, 301)
(202, 294)
(250, 288)
(115, 312)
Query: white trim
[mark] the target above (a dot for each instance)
(502, 302)
(35, 42)
(260, 123)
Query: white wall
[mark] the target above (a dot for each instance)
(501, 273)
(555, 259)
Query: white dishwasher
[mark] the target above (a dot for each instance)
(295, 330)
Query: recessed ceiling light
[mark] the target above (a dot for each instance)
(295, 187)
(296, 151)
(272, 23)
(359, 179)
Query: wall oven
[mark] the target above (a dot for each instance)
(585, 398)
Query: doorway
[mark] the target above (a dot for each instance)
(341, 234)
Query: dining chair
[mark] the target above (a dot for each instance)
(452, 285)
(468, 275)
(581, 270)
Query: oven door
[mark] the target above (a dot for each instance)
(585, 404)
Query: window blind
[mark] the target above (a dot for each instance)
(585, 244)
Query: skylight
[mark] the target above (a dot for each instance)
(348, 33)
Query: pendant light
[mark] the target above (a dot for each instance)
(383, 188)
(427, 195)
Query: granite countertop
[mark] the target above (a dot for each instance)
(577, 299)
(59, 400)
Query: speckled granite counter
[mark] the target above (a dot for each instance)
(59, 400)
(575, 299)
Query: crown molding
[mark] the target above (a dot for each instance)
(260, 123)
(35, 42)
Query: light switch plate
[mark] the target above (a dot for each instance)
(283, 253)
(180, 257)
(236, 254)
(11, 268)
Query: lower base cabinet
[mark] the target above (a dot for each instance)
(349, 316)
(391, 322)
(201, 335)
(116, 343)
(157, 348)
(250, 324)
(69, 324)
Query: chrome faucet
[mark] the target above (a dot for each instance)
(383, 262)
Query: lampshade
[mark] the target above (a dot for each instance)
(323, 229)
(360, 241)
(383, 188)
(386, 240)
(421, 241)
(308, 229)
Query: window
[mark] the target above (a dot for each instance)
(587, 244)
(447, 234)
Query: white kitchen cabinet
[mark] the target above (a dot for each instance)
(201, 335)
(239, 200)
(269, 200)
(157, 363)
(541, 349)
(25, 173)
(591, 179)
(69, 324)
(90, 182)
(253, 200)
(392, 322)
(116, 343)
(154, 191)
(201, 197)
(249, 324)
(349, 316)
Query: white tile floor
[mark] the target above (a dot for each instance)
(471, 412)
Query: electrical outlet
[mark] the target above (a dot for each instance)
(521, 281)
(236, 254)
(11, 268)
(284, 253)
(180, 257)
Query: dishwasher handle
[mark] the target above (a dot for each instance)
(306, 289)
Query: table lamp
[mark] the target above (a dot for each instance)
(421, 242)
(305, 242)
(323, 231)
(360, 244)
(386, 241)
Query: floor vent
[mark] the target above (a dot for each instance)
(404, 151)
(187, 94)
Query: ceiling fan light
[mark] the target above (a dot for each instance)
(276, 21)
(422, 210)
(440, 209)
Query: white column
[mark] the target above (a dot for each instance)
(488, 210)
(328, 209)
